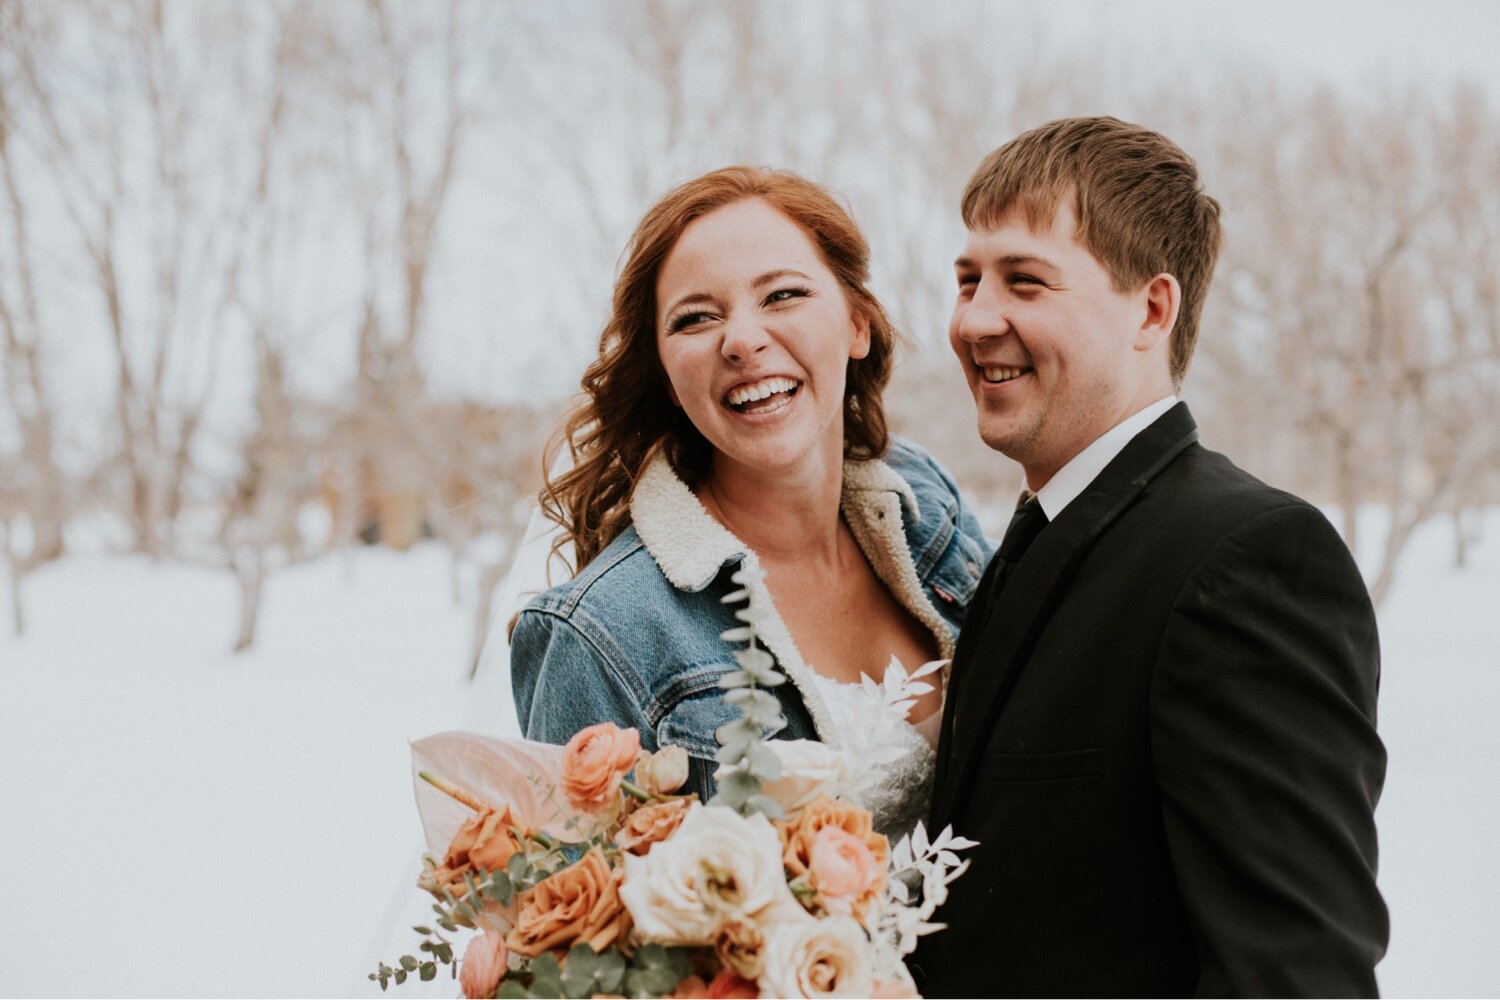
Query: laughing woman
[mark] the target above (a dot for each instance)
(734, 416)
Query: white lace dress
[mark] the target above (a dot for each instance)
(893, 760)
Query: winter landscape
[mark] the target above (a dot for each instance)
(180, 821)
(292, 293)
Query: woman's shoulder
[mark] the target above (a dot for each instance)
(930, 482)
(623, 575)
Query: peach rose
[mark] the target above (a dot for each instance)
(739, 946)
(594, 762)
(652, 824)
(842, 868)
(579, 903)
(484, 843)
(482, 966)
(799, 836)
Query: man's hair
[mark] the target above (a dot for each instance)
(1140, 207)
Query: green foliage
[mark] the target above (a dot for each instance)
(742, 743)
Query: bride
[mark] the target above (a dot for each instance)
(734, 416)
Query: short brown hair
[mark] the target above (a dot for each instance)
(1140, 206)
(626, 414)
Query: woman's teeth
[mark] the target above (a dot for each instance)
(1002, 374)
(754, 397)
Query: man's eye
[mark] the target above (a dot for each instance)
(1025, 279)
(967, 281)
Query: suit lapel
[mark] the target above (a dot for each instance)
(992, 664)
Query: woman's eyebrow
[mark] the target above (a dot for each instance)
(770, 276)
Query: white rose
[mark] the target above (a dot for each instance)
(718, 865)
(817, 958)
(808, 769)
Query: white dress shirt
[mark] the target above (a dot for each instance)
(1072, 479)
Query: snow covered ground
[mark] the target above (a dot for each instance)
(178, 821)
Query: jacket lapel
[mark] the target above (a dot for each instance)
(992, 665)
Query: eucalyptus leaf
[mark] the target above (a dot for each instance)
(427, 972)
(762, 760)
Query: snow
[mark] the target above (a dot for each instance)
(197, 823)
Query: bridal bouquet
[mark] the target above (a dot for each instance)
(582, 872)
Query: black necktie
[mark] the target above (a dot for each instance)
(1025, 524)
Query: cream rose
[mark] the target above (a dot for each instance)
(718, 866)
(663, 772)
(817, 958)
(808, 769)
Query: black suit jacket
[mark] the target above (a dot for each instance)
(1163, 738)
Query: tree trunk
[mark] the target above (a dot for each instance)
(252, 577)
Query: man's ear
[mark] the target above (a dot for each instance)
(1163, 298)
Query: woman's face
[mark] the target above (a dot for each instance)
(755, 334)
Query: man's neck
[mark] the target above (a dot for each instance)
(1063, 487)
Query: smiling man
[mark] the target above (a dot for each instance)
(1160, 724)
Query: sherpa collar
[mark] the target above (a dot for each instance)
(691, 547)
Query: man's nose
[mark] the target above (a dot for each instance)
(744, 337)
(986, 314)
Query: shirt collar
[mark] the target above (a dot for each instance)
(1072, 479)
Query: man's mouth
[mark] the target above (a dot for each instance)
(763, 396)
(996, 374)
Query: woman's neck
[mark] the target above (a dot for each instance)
(778, 515)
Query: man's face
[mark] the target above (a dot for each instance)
(1053, 353)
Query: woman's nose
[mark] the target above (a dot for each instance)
(743, 338)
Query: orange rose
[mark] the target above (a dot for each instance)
(579, 903)
(728, 985)
(484, 843)
(799, 838)
(594, 762)
(652, 824)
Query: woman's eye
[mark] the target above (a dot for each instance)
(687, 321)
(786, 294)
(1024, 279)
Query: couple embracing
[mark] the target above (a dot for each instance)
(1159, 717)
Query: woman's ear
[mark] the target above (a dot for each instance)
(859, 347)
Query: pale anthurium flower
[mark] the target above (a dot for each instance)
(482, 966)
(717, 866)
(817, 958)
(808, 769)
(663, 772)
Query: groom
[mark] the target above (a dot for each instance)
(1160, 724)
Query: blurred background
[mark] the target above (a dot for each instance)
(292, 293)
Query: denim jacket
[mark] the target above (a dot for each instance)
(634, 637)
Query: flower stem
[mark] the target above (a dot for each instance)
(635, 791)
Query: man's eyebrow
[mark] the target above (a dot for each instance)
(770, 276)
(1009, 260)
